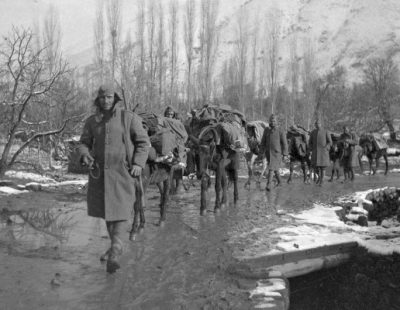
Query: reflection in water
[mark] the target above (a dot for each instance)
(46, 233)
(33, 230)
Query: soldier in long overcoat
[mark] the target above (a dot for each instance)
(349, 158)
(114, 145)
(320, 142)
(273, 146)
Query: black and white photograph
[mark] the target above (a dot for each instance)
(199, 154)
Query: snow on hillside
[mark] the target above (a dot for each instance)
(342, 32)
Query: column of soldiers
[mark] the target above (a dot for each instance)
(119, 161)
(274, 147)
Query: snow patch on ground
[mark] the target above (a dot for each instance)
(37, 180)
(321, 226)
(11, 191)
(28, 176)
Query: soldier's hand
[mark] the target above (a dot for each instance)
(136, 171)
(87, 160)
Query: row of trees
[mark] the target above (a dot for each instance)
(39, 94)
(145, 62)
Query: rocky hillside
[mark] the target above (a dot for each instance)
(341, 32)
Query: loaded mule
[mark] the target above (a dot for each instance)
(373, 146)
(255, 131)
(166, 163)
(298, 138)
(218, 146)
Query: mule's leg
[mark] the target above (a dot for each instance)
(178, 182)
(205, 181)
(164, 202)
(250, 168)
(386, 163)
(278, 178)
(308, 165)
(264, 168)
(291, 167)
(225, 183)
(374, 166)
(304, 169)
(234, 175)
(218, 183)
(135, 225)
(359, 156)
(269, 181)
(138, 209)
(337, 170)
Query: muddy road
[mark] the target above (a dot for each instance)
(50, 248)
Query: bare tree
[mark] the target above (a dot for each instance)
(189, 32)
(52, 41)
(293, 77)
(25, 79)
(209, 39)
(99, 39)
(127, 66)
(254, 58)
(140, 41)
(382, 75)
(241, 55)
(161, 55)
(308, 81)
(151, 37)
(173, 33)
(114, 27)
(273, 26)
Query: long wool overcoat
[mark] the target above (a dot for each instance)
(320, 143)
(350, 158)
(274, 145)
(111, 195)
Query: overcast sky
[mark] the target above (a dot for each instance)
(76, 18)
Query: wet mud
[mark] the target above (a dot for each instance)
(50, 248)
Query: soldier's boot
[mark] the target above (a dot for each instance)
(110, 227)
(269, 182)
(351, 172)
(278, 178)
(113, 263)
(321, 176)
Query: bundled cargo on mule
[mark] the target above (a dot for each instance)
(298, 138)
(375, 138)
(379, 141)
(255, 130)
(167, 137)
(229, 123)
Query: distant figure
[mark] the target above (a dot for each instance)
(273, 146)
(334, 156)
(349, 156)
(170, 112)
(320, 143)
(115, 146)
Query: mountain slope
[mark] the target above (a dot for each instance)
(341, 32)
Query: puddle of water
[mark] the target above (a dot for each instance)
(55, 229)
